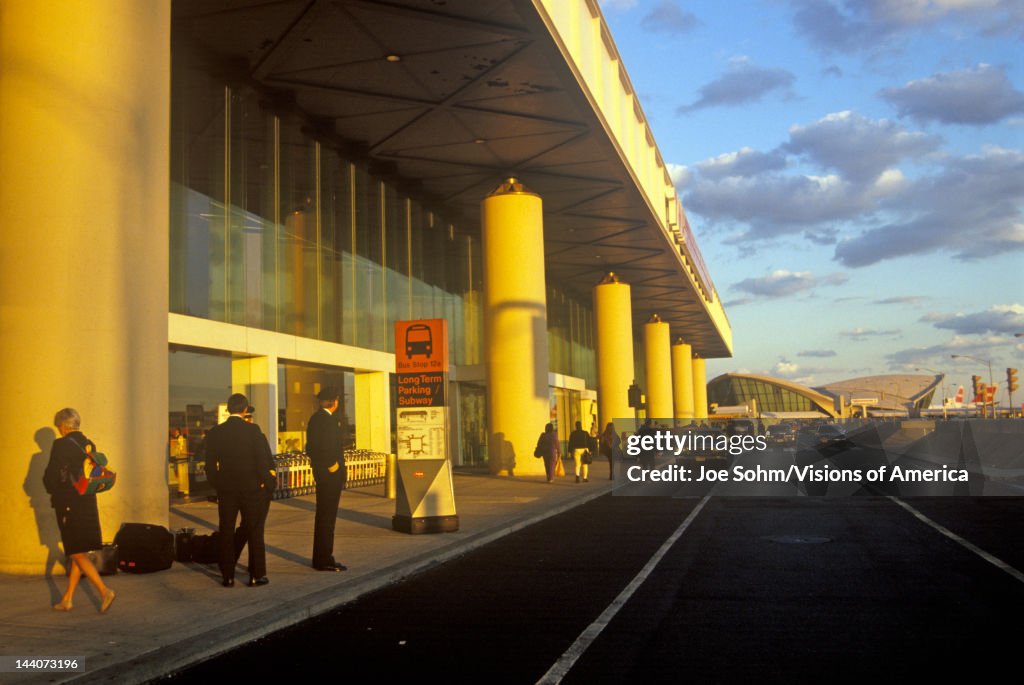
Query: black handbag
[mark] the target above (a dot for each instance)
(587, 457)
(538, 451)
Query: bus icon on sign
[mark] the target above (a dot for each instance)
(418, 340)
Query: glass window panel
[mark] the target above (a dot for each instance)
(369, 277)
(252, 225)
(335, 246)
(297, 282)
(197, 216)
(396, 235)
(298, 386)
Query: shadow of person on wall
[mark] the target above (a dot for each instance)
(46, 520)
(504, 455)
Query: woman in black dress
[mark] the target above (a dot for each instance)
(77, 517)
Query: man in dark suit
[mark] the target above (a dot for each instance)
(242, 532)
(325, 446)
(241, 468)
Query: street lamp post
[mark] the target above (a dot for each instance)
(938, 373)
(990, 384)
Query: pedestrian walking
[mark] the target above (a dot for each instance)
(242, 532)
(241, 467)
(550, 449)
(77, 516)
(610, 447)
(579, 441)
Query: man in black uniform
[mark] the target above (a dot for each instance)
(326, 449)
(242, 532)
(240, 466)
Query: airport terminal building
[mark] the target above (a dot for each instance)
(887, 395)
(203, 197)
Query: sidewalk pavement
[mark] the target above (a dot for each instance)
(162, 622)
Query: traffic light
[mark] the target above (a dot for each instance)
(1011, 379)
(978, 388)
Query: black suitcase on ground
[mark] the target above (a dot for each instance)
(144, 548)
(183, 544)
(205, 548)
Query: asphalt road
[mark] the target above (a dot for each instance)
(754, 589)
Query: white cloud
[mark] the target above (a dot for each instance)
(983, 95)
(743, 162)
(680, 174)
(938, 356)
(870, 25)
(668, 17)
(903, 299)
(742, 84)
(816, 353)
(997, 319)
(864, 333)
(971, 208)
(777, 204)
(861, 149)
(785, 369)
(782, 283)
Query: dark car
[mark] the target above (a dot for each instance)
(740, 427)
(781, 434)
(832, 439)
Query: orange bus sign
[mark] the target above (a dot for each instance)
(421, 346)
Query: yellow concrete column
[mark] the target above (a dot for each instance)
(515, 327)
(682, 381)
(658, 369)
(613, 319)
(256, 378)
(84, 183)
(700, 389)
(373, 412)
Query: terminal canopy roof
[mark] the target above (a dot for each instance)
(453, 97)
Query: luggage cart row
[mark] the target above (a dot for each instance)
(295, 473)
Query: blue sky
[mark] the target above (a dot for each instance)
(853, 170)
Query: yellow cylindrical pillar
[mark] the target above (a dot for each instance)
(84, 184)
(700, 390)
(515, 328)
(658, 367)
(682, 381)
(613, 320)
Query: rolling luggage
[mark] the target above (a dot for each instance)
(144, 548)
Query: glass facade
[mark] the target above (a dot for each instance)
(732, 390)
(274, 229)
(297, 388)
(571, 337)
(199, 383)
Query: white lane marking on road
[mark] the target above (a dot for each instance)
(995, 561)
(590, 633)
